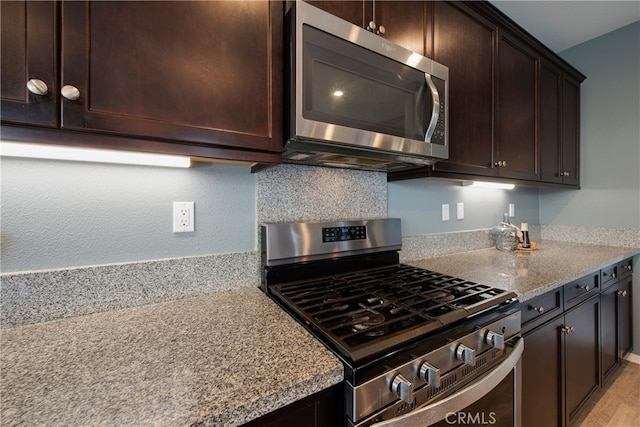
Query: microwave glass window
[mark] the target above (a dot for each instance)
(351, 86)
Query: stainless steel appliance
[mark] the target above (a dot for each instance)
(357, 100)
(418, 347)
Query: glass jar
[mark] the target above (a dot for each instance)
(505, 236)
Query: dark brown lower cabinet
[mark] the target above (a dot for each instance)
(582, 355)
(322, 409)
(542, 375)
(616, 326)
(561, 366)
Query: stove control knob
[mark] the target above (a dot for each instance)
(403, 388)
(430, 374)
(466, 355)
(495, 340)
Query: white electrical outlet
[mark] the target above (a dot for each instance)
(445, 212)
(183, 217)
(460, 210)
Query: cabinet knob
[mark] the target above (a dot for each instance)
(538, 309)
(584, 288)
(566, 174)
(628, 267)
(567, 329)
(500, 163)
(381, 30)
(612, 275)
(70, 92)
(622, 293)
(372, 26)
(37, 87)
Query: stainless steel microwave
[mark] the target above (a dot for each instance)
(357, 100)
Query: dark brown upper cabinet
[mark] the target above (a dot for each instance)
(516, 151)
(29, 60)
(464, 41)
(196, 78)
(511, 116)
(403, 21)
(559, 126)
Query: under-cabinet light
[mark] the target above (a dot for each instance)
(494, 185)
(52, 152)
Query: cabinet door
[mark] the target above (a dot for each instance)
(542, 376)
(202, 72)
(403, 22)
(570, 131)
(625, 313)
(610, 324)
(29, 51)
(582, 361)
(352, 11)
(550, 123)
(516, 154)
(464, 41)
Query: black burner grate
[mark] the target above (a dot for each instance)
(364, 311)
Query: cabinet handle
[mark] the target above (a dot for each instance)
(538, 309)
(622, 293)
(37, 87)
(70, 92)
(567, 329)
(502, 163)
(628, 267)
(612, 275)
(584, 288)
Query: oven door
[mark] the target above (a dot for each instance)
(493, 399)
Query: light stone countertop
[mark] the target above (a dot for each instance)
(528, 274)
(221, 359)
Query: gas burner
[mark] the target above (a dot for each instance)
(366, 321)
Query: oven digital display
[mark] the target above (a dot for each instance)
(339, 234)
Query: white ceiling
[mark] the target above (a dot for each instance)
(561, 24)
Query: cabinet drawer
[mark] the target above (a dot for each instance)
(626, 268)
(581, 289)
(609, 275)
(543, 307)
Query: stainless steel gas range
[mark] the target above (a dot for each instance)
(419, 348)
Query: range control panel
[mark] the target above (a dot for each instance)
(339, 234)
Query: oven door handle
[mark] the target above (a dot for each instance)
(438, 411)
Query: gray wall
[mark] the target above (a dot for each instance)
(58, 214)
(419, 203)
(610, 136)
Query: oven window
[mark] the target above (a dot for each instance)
(495, 409)
(348, 85)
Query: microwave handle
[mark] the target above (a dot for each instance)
(435, 96)
(438, 411)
